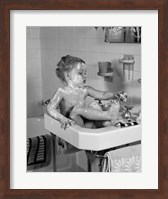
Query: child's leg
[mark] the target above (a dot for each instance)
(89, 124)
(99, 124)
(83, 122)
(108, 123)
(79, 121)
(90, 114)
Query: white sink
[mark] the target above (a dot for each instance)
(94, 139)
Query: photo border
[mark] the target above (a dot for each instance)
(5, 7)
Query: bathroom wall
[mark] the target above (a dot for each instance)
(33, 70)
(88, 44)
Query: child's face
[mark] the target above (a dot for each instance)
(77, 75)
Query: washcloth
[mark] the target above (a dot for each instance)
(38, 151)
(125, 159)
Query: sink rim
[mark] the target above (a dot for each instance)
(94, 139)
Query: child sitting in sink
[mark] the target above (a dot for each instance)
(71, 98)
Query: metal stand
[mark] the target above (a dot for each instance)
(89, 156)
(53, 138)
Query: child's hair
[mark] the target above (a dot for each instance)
(66, 64)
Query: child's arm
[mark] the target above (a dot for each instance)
(102, 95)
(53, 112)
(105, 95)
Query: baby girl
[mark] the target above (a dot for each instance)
(71, 99)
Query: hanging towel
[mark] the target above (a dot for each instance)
(38, 151)
(125, 159)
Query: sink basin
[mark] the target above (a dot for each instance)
(94, 139)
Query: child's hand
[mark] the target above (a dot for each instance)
(66, 123)
(122, 95)
(95, 105)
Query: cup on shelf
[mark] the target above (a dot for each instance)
(104, 67)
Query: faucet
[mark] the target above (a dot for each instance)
(44, 103)
(127, 114)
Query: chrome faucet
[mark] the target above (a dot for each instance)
(44, 103)
(126, 112)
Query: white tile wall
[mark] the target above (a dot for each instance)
(33, 69)
(33, 32)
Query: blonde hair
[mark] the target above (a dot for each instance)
(66, 64)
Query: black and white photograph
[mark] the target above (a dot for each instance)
(83, 99)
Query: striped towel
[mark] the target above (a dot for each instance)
(125, 159)
(38, 151)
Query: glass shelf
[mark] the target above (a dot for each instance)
(105, 74)
(126, 61)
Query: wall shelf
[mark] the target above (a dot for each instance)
(127, 61)
(105, 74)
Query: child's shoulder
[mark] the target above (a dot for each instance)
(63, 90)
(60, 91)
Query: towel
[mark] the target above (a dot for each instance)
(38, 151)
(125, 159)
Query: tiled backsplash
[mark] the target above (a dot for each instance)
(46, 45)
(33, 69)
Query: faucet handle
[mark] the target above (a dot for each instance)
(44, 103)
(122, 95)
(126, 112)
(128, 108)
